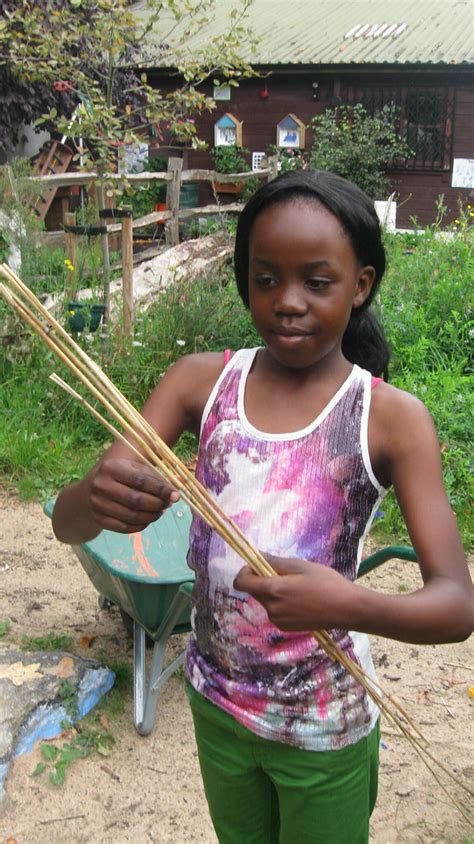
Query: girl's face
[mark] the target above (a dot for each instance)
(304, 280)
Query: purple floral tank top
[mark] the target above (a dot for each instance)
(310, 494)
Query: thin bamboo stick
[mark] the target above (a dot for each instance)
(91, 368)
(154, 452)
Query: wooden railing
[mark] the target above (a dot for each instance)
(174, 176)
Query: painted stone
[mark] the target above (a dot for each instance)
(31, 707)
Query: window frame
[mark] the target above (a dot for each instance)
(402, 97)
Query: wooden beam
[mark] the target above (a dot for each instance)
(127, 272)
(65, 180)
(183, 214)
(70, 220)
(173, 190)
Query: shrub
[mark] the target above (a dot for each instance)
(358, 145)
(143, 198)
(230, 159)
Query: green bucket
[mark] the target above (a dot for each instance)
(189, 195)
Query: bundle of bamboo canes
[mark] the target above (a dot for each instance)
(143, 440)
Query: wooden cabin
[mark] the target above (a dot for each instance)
(312, 55)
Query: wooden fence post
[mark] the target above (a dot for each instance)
(104, 245)
(173, 189)
(70, 220)
(127, 269)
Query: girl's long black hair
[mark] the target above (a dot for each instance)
(364, 342)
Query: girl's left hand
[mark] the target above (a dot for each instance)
(305, 595)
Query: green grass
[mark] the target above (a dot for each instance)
(4, 627)
(113, 703)
(426, 307)
(48, 642)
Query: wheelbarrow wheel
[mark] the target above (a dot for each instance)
(128, 624)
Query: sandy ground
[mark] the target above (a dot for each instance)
(149, 789)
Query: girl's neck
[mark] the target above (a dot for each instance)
(283, 400)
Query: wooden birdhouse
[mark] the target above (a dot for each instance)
(290, 133)
(228, 131)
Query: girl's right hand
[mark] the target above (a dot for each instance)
(126, 496)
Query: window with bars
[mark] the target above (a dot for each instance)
(424, 118)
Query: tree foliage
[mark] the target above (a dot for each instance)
(81, 64)
(358, 145)
(21, 100)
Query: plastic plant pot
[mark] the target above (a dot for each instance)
(189, 195)
(76, 317)
(97, 312)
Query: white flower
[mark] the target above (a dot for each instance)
(180, 342)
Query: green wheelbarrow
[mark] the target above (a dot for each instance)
(146, 575)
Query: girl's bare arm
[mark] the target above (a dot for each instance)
(311, 597)
(120, 493)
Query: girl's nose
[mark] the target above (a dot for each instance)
(289, 299)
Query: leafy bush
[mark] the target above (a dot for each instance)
(143, 198)
(358, 145)
(230, 159)
(288, 159)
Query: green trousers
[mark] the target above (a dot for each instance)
(265, 792)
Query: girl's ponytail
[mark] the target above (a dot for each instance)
(364, 343)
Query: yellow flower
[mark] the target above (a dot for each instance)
(456, 222)
(70, 267)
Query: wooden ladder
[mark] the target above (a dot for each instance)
(54, 157)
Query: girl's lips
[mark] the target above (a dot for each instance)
(290, 339)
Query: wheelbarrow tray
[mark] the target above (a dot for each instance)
(141, 572)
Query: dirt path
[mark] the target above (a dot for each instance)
(149, 789)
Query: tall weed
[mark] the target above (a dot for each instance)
(426, 307)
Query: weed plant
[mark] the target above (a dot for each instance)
(49, 642)
(47, 439)
(426, 307)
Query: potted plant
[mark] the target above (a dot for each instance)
(230, 159)
(84, 315)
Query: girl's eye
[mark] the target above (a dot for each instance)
(264, 280)
(317, 283)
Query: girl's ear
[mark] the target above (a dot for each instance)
(363, 287)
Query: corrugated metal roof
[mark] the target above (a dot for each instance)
(308, 32)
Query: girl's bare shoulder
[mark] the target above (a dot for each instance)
(183, 390)
(199, 370)
(401, 430)
(395, 408)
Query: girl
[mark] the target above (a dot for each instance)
(298, 443)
